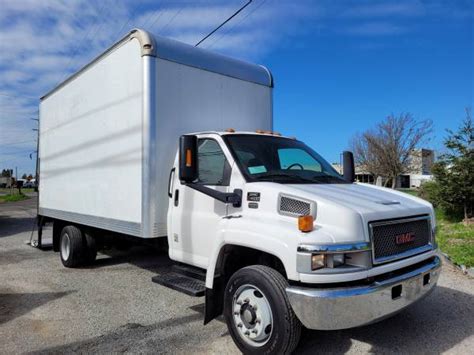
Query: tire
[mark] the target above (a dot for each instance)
(72, 247)
(269, 328)
(91, 252)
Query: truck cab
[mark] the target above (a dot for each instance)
(321, 250)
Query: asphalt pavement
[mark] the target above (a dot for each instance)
(114, 307)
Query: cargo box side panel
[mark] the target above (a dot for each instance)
(191, 100)
(91, 144)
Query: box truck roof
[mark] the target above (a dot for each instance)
(175, 51)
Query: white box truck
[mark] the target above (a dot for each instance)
(158, 139)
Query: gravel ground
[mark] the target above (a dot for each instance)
(114, 307)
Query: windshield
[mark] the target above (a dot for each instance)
(283, 160)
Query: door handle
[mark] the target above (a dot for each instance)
(176, 198)
(169, 182)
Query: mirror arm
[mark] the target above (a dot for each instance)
(235, 198)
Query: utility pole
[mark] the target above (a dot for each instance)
(11, 181)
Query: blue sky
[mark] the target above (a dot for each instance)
(339, 66)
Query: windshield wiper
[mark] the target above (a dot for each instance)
(329, 178)
(287, 176)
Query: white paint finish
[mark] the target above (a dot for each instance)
(194, 100)
(90, 146)
(343, 213)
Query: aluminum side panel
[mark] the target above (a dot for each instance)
(91, 140)
(190, 100)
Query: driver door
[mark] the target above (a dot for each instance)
(193, 217)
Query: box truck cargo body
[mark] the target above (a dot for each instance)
(157, 138)
(109, 134)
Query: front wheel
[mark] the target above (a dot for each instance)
(258, 314)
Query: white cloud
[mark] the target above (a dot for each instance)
(44, 41)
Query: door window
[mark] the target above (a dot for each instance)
(212, 164)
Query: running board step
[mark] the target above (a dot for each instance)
(182, 283)
(191, 271)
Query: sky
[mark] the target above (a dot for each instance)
(339, 66)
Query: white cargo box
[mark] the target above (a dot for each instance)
(108, 135)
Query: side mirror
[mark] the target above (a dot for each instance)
(348, 168)
(188, 162)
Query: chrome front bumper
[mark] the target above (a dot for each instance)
(348, 307)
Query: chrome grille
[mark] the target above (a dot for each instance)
(293, 207)
(384, 236)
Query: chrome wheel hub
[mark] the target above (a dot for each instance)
(252, 315)
(65, 246)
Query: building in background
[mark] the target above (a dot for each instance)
(421, 162)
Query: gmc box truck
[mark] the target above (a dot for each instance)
(159, 140)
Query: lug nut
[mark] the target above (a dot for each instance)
(236, 313)
(239, 325)
(247, 333)
(239, 302)
(258, 320)
(246, 300)
(254, 307)
(255, 331)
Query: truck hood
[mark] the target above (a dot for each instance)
(372, 202)
(345, 210)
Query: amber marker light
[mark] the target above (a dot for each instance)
(305, 223)
(188, 158)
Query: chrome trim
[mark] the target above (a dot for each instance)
(403, 255)
(407, 253)
(149, 140)
(146, 46)
(348, 307)
(333, 248)
(312, 205)
(175, 51)
(114, 225)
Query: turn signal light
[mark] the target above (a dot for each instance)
(305, 223)
(189, 158)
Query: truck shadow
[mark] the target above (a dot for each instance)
(13, 305)
(14, 225)
(434, 325)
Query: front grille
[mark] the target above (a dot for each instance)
(293, 207)
(399, 238)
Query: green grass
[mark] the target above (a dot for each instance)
(15, 190)
(453, 237)
(13, 198)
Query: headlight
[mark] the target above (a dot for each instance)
(319, 261)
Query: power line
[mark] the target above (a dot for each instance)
(118, 34)
(223, 23)
(16, 143)
(155, 16)
(171, 20)
(238, 23)
(94, 25)
(156, 19)
(16, 96)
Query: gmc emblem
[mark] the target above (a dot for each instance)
(405, 238)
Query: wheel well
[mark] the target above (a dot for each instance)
(232, 258)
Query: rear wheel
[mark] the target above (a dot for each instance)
(73, 248)
(258, 314)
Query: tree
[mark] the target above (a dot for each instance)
(388, 148)
(6, 173)
(24, 176)
(454, 172)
